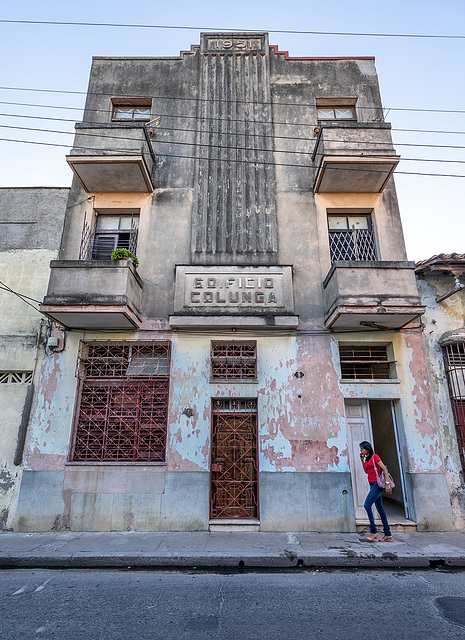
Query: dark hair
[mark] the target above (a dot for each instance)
(366, 445)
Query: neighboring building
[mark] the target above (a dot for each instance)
(31, 224)
(272, 324)
(441, 283)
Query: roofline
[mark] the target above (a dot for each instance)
(288, 57)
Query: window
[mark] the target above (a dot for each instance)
(351, 237)
(454, 360)
(114, 232)
(123, 408)
(131, 112)
(364, 362)
(234, 360)
(336, 113)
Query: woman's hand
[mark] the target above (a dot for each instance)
(388, 488)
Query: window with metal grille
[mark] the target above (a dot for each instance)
(365, 362)
(114, 232)
(454, 360)
(234, 360)
(15, 377)
(123, 409)
(351, 237)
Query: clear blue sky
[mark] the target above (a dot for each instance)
(413, 74)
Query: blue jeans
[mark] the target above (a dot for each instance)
(374, 496)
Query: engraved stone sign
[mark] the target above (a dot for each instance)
(234, 290)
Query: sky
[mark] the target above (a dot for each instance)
(421, 80)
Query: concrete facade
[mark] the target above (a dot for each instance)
(234, 245)
(443, 276)
(31, 223)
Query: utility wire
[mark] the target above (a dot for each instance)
(234, 148)
(232, 133)
(226, 31)
(196, 99)
(238, 161)
(5, 287)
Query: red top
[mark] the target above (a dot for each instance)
(370, 467)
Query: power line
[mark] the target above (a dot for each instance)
(257, 135)
(234, 148)
(196, 99)
(222, 29)
(238, 161)
(5, 287)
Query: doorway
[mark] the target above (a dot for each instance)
(234, 459)
(375, 421)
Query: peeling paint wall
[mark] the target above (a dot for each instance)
(447, 315)
(30, 230)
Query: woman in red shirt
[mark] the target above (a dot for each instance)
(369, 459)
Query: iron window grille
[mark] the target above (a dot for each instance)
(123, 410)
(111, 232)
(234, 360)
(454, 360)
(351, 237)
(15, 377)
(365, 362)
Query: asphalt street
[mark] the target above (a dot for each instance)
(326, 604)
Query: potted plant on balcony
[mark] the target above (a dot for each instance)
(125, 254)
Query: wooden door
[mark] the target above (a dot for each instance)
(359, 429)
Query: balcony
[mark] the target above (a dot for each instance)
(371, 295)
(113, 158)
(353, 157)
(94, 294)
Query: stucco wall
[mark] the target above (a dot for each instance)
(31, 222)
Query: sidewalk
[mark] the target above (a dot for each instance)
(209, 550)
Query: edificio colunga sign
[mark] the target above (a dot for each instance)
(234, 290)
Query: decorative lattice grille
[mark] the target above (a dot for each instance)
(355, 244)
(123, 409)
(15, 377)
(454, 359)
(234, 360)
(234, 460)
(369, 362)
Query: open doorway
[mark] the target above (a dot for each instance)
(375, 421)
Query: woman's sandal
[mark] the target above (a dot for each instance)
(373, 537)
(387, 539)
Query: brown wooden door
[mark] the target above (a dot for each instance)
(234, 460)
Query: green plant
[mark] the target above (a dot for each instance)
(124, 254)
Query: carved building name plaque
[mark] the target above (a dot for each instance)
(234, 290)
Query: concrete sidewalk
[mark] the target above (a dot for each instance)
(218, 549)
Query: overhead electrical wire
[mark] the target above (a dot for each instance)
(238, 161)
(257, 135)
(228, 147)
(235, 29)
(196, 99)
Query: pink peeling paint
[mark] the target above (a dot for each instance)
(426, 456)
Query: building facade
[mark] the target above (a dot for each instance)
(272, 322)
(441, 283)
(31, 223)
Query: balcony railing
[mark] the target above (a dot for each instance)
(94, 294)
(371, 295)
(113, 158)
(351, 157)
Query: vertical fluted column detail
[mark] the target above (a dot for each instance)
(234, 209)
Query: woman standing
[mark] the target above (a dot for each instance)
(369, 459)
